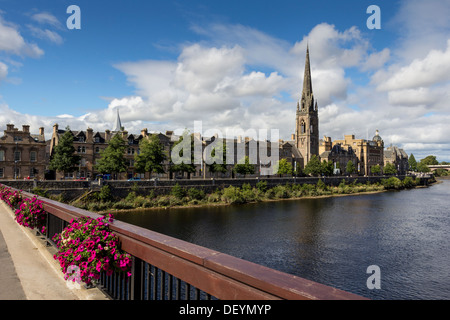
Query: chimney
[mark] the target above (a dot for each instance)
(26, 128)
(107, 135)
(55, 128)
(144, 132)
(41, 131)
(89, 135)
(9, 127)
(293, 137)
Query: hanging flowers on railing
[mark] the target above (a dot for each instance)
(31, 214)
(89, 245)
(11, 198)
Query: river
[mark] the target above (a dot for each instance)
(331, 240)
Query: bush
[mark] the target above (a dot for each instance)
(409, 182)
(392, 183)
(261, 186)
(178, 191)
(232, 195)
(105, 193)
(196, 194)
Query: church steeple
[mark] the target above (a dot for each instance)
(307, 120)
(307, 84)
(118, 123)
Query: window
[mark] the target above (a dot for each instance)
(97, 139)
(81, 149)
(17, 155)
(97, 150)
(33, 156)
(81, 139)
(2, 155)
(2, 172)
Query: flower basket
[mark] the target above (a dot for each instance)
(88, 247)
(31, 214)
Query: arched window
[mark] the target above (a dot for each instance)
(302, 127)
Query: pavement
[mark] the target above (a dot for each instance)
(28, 270)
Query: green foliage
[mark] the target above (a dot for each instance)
(196, 194)
(151, 156)
(262, 185)
(283, 167)
(392, 183)
(327, 168)
(390, 169)
(412, 163)
(186, 163)
(105, 193)
(40, 192)
(429, 160)
(422, 167)
(178, 191)
(350, 168)
(64, 159)
(112, 158)
(313, 167)
(245, 167)
(376, 169)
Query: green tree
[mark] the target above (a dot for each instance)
(187, 163)
(283, 167)
(389, 169)
(350, 168)
(64, 158)
(429, 160)
(313, 167)
(112, 159)
(151, 156)
(244, 168)
(421, 167)
(219, 167)
(375, 169)
(412, 163)
(327, 168)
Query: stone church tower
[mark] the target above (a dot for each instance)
(307, 119)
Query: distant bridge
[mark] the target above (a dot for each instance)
(439, 166)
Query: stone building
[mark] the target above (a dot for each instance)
(398, 157)
(22, 154)
(368, 152)
(89, 145)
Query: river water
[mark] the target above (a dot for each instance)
(331, 240)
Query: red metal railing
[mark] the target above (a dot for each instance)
(169, 268)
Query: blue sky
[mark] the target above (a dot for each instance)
(230, 64)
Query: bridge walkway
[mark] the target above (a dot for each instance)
(29, 271)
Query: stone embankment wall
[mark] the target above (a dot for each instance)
(74, 189)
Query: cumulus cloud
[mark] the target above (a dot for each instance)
(11, 42)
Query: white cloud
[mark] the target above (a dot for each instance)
(46, 34)
(12, 42)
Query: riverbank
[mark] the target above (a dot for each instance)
(179, 197)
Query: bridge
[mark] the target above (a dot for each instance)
(439, 166)
(165, 268)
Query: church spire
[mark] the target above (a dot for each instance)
(118, 123)
(307, 101)
(307, 85)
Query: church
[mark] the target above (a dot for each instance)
(367, 156)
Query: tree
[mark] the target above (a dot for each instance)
(389, 169)
(412, 163)
(375, 169)
(113, 157)
(283, 167)
(313, 167)
(219, 167)
(429, 160)
(186, 164)
(327, 168)
(350, 168)
(64, 158)
(244, 168)
(151, 156)
(421, 167)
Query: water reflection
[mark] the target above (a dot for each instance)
(331, 240)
